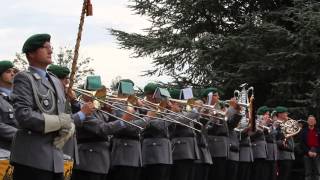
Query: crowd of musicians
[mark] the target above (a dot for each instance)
(155, 138)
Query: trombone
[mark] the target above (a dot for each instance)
(84, 92)
(215, 113)
(121, 101)
(166, 118)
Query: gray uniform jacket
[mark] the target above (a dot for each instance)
(272, 148)
(31, 147)
(218, 138)
(233, 121)
(156, 145)
(8, 123)
(246, 154)
(93, 136)
(285, 148)
(259, 145)
(184, 142)
(202, 139)
(126, 146)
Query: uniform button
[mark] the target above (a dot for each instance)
(90, 150)
(179, 142)
(29, 132)
(58, 101)
(154, 144)
(125, 144)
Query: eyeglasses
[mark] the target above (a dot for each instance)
(48, 47)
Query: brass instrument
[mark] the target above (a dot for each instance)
(260, 125)
(130, 102)
(243, 99)
(289, 127)
(214, 113)
(97, 102)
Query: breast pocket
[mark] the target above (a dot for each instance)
(7, 115)
(154, 144)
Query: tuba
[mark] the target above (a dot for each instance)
(243, 99)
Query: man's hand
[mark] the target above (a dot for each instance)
(64, 135)
(65, 120)
(88, 108)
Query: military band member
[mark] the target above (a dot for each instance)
(259, 145)
(39, 104)
(202, 165)
(184, 142)
(8, 124)
(156, 144)
(245, 156)
(272, 148)
(285, 146)
(126, 157)
(217, 137)
(94, 145)
(233, 118)
(72, 106)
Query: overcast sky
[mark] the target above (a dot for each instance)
(20, 19)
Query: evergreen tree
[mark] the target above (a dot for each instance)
(271, 45)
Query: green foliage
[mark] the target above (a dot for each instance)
(272, 45)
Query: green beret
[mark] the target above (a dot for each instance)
(34, 42)
(209, 90)
(5, 65)
(174, 93)
(126, 80)
(60, 71)
(281, 109)
(262, 110)
(150, 88)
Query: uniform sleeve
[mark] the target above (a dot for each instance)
(7, 132)
(23, 103)
(100, 127)
(233, 118)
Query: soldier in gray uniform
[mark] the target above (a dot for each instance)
(8, 124)
(272, 148)
(272, 153)
(126, 157)
(93, 136)
(72, 106)
(202, 165)
(39, 104)
(245, 156)
(217, 138)
(184, 142)
(156, 144)
(233, 118)
(259, 145)
(285, 147)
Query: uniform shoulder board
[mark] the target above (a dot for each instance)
(36, 76)
(2, 94)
